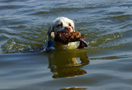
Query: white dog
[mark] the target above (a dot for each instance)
(61, 24)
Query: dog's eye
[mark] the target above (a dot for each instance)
(69, 24)
(59, 25)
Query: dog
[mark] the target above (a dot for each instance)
(61, 24)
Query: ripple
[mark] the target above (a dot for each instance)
(15, 45)
(120, 18)
(104, 39)
(116, 57)
(4, 7)
(73, 88)
(29, 40)
(40, 13)
(9, 22)
(8, 1)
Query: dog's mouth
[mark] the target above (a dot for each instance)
(62, 31)
(65, 38)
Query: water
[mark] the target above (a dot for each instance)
(105, 65)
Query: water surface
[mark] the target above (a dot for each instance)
(105, 65)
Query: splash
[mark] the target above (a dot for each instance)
(106, 41)
(14, 45)
(29, 40)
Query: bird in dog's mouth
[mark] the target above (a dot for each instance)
(62, 35)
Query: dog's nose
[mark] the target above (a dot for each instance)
(68, 29)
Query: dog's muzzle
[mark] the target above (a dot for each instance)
(66, 30)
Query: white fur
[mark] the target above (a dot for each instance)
(59, 25)
(65, 21)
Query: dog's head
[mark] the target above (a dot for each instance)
(61, 24)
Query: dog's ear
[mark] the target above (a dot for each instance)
(73, 26)
(51, 29)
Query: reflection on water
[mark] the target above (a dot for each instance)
(66, 64)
